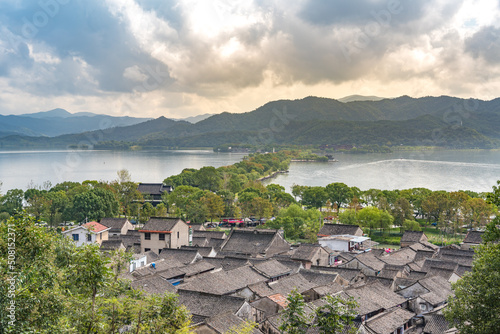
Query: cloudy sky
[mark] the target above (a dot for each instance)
(181, 58)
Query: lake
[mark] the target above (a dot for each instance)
(476, 170)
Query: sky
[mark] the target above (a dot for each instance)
(151, 58)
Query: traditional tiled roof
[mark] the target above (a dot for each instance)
(153, 284)
(439, 289)
(251, 241)
(279, 299)
(374, 297)
(161, 224)
(183, 255)
(318, 278)
(215, 243)
(400, 257)
(111, 245)
(161, 265)
(115, 224)
(197, 268)
(223, 282)
(413, 236)
(474, 237)
(210, 234)
(435, 324)
(199, 241)
(152, 188)
(306, 252)
(224, 322)
(197, 227)
(348, 274)
(272, 268)
(208, 305)
(389, 321)
(340, 229)
(204, 251)
(226, 263)
(95, 227)
(370, 260)
(402, 282)
(283, 286)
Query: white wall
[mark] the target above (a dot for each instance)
(336, 245)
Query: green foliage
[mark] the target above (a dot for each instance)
(335, 315)
(339, 194)
(12, 201)
(95, 203)
(293, 317)
(475, 307)
(411, 225)
(314, 197)
(246, 327)
(348, 217)
(60, 288)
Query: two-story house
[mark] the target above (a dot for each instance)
(89, 233)
(159, 233)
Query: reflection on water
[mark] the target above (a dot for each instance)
(18, 170)
(437, 170)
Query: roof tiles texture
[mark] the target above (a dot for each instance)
(340, 229)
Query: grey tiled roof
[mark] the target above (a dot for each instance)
(183, 255)
(223, 282)
(161, 224)
(152, 188)
(306, 252)
(209, 305)
(413, 236)
(272, 268)
(389, 321)
(111, 245)
(435, 324)
(153, 284)
(374, 297)
(116, 224)
(222, 323)
(249, 241)
(474, 237)
(340, 229)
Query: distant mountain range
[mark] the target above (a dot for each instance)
(438, 121)
(59, 121)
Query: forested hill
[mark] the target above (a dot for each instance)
(438, 121)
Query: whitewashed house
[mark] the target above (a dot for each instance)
(89, 233)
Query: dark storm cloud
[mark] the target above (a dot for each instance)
(83, 29)
(485, 44)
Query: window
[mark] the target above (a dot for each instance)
(177, 234)
(162, 236)
(76, 237)
(147, 236)
(100, 236)
(147, 249)
(89, 237)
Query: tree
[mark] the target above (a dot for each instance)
(314, 197)
(12, 201)
(373, 217)
(402, 211)
(475, 307)
(214, 205)
(95, 204)
(294, 318)
(208, 178)
(494, 196)
(411, 225)
(335, 314)
(246, 327)
(339, 194)
(348, 217)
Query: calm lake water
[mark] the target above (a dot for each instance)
(436, 170)
(476, 170)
